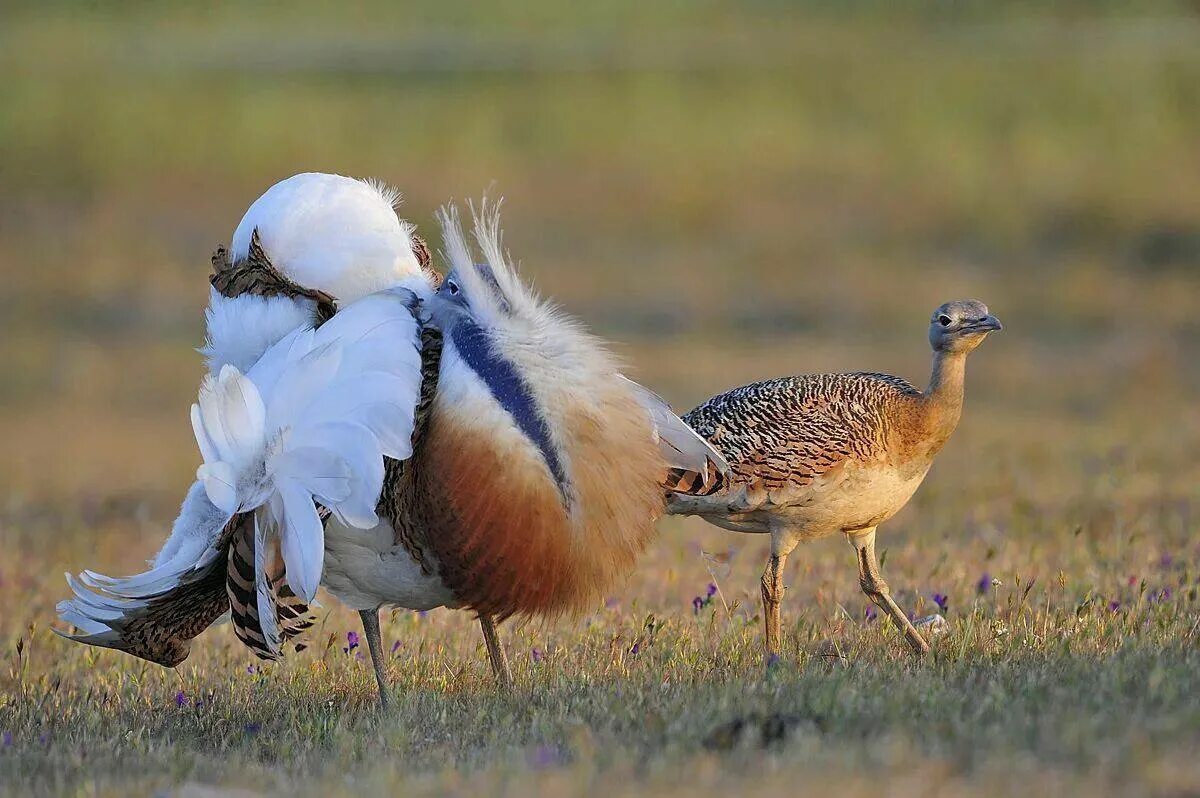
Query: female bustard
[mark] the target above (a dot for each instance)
(815, 455)
(401, 443)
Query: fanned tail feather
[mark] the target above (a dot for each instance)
(156, 614)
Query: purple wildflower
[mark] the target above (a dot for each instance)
(1159, 596)
(6, 739)
(984, 584)
(181, 700)
(712, 590)
(636, 648)
(1114, 605)
(536, 654)
(351, 642)
(871, 613)
(43, 738)
(942, 600)
(254, 727)
(772, 660)
(395, 647)
(697, 605)
(1166, 561)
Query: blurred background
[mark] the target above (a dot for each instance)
(727, 193)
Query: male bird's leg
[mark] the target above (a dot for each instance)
(370, 622)
(877, 590)
(773, 589)
(496, 652)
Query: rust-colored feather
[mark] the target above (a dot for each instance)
(506, 543)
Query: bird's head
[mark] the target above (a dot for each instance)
(960, 326)
(465, 293)
(475, 291)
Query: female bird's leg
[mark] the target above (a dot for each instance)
(773, 589)
(370, 622)
(877, 590)
(496, 652)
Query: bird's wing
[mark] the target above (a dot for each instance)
(695, 466)
(155, 615)
(788, 440)
(308, 427)
(334, 233)
(308, 243)
(333, 240)
(310, 422)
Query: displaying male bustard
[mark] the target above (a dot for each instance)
(819, 454)
(401, 442)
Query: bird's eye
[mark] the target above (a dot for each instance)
(944, 320)
(452, 287)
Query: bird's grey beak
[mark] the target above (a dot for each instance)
(987, 324)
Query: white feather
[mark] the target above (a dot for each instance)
(303, 538)
(325, 232)
(679, 444)
(102, 603)
(240, 329)
(331, 233)
(312, 420)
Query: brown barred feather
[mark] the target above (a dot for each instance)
(162, 632)
(256, 275)
(291, 612)
(398, 502)
(789, 431)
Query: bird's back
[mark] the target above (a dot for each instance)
(795, 440)
(791, 429)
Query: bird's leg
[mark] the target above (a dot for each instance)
(772, 596)
(496, 652)
(877, 590)
(782, 544)
(370, 622)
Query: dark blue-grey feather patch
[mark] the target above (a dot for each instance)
(511, 391)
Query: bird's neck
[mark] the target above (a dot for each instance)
(943, 400)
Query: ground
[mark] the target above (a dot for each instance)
(726, 196)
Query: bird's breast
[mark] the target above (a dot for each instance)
(481, 386)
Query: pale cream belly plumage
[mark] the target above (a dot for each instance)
(856, 496)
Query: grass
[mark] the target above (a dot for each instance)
(728, 194)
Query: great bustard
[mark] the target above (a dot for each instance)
(814, 455)
(401, 439)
